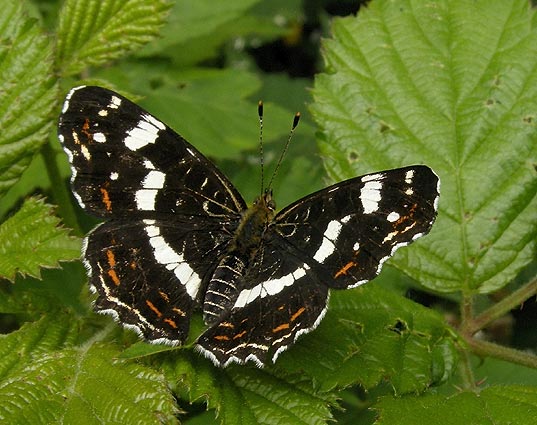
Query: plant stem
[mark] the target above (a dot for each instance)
(466, 310)
(501, 308)
(489, 349)
(466, 372)
(470, 326)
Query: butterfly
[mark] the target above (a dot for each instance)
(178, 237)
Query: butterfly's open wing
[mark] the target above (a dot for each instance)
(338, 237)
(126, 163)
(150, 274)
(281, 298)
(347, 231)
(170, 211)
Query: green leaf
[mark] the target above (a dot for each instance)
(32, 239)
(82, 385)
(248, 395)
(28, 91)
(56, 289)
(93, 32)
(498, 405)
(370, 334)
(32, 340)
(197, 30)
(189, 21)
(452, 84)
(143, 349)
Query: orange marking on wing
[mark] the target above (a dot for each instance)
(111, 257)
(226, 325)
(133, 265)
(221, 338)
(113, 275)
(85, 129)
(412, 210)
(164, 296)
(281, 327)
(171, 323)
(343, 270)
(298, 313)
(400, 220)
(239, 335)
(106, 199)
(152, 307)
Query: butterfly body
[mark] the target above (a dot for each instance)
(180, 238)
(244, 247)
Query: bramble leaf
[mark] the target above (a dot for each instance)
(191, 23)
(498, 405)
(93, 32)
(41, 385)
(28, 91)
(453, 85)
(33, 238)
(248, 395)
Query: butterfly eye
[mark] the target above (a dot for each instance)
(271, 205)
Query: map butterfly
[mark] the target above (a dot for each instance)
(178, 237)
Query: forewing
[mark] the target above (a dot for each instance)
(126, 163)
(347, 231)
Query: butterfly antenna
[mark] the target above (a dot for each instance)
(261, 156)
(296, 119)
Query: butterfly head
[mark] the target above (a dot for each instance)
(262, 209)
(265, 201)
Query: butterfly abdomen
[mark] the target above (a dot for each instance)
(223, 288)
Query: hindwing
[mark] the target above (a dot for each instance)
(280, 298)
